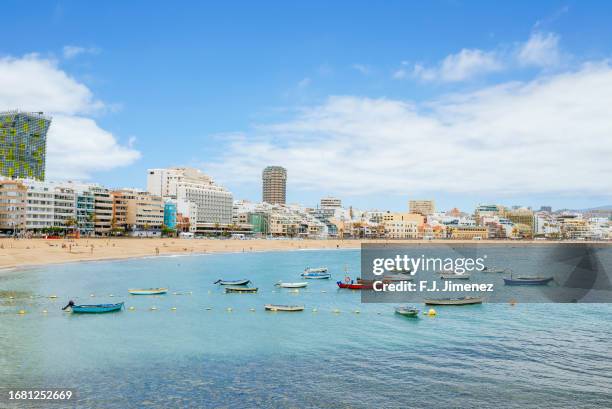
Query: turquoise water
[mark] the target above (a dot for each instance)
(202, 355)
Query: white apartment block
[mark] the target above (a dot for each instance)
(213, 203)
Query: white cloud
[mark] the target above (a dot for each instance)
(363, 69)
(76, 145)
(547, 136)
(71, 51)
(462, 66)
(303, 83)
(541, 50)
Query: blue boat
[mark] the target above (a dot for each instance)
(94, 308)
(527, 280)
(233, 282)
(316, 273)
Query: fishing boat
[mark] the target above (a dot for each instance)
(240, 289)
(147, 291)
(453, 301)
(407, 311)
(493, 270)
(454, 276)
(363, 285)
(93, 309)
(527, 280)
(291, 285)
(288, 308)
(232, 282)
(316, 273)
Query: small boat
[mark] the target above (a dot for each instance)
(93, 309)
(147, 291)
(291, 285)
(527, 280)
(315, 270)
(453, 301)
(232, 282)
(493, 270)
(363, 285)
(316, 274)
(454, 276)
(289, 308)
(240, 289)
(388, 278)
(407, 311)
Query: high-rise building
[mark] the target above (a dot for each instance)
(23, 144)
(207, 204)
(424, 207)
(274, 186)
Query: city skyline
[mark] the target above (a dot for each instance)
(468, 107)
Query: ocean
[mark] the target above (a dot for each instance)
(202, 348)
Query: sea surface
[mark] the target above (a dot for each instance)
(203, 348)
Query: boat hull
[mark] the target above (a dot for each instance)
(455, 276)
(291, 285)
(527, 281)
(96, 309)
(454, 301)
(148, 291)
(233, 282)
(241, 289)
(316, 276)
(355, 286)
(286, 308)
(407, 312)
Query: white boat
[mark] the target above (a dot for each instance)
(291, 285)
(289, 308)
(454, 301)
(315, 270)
(450, 275)
(397, 277)
(147, 291)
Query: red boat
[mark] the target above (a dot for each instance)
(355, 286)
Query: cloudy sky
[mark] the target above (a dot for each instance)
(462, 102)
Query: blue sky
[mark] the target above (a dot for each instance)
(357, 100)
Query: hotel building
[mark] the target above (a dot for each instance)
(274, 185)
(23, 142)
(424, 207)
(207, 205)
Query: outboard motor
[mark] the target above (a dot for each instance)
(70, 304)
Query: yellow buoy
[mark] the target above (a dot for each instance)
(229, 309)
(357, 311)
(314, 310)
(21, 312)
(91, 295)
(336, 311)
(173, 308)
(53, 296)
(132, 308)
(44, 311)
(252, 309)
(11, 298)
(153, 308)
(431, 312)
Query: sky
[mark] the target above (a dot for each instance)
(463, 102)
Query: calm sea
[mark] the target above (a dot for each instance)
(338, 353)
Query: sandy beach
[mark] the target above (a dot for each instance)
(32, 252)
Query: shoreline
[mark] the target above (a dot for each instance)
(26, 253)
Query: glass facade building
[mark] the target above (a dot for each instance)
(23, 144)
(170, 215)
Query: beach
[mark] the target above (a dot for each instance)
(32, 252)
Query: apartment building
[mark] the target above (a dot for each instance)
(12, 206)
(136, 212)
